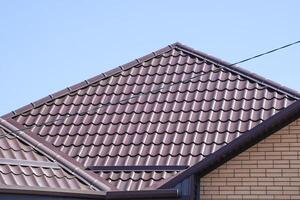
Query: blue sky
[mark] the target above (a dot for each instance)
(46, 46)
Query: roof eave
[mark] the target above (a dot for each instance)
(144, 194)
(41, 191)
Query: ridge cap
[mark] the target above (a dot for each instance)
(240, 71)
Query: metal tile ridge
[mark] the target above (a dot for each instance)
(88, 82)
(54, 154)
(237, 146)
(30, 163)
(239, 70)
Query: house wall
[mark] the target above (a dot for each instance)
(268, 170)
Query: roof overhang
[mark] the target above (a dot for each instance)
(41, 191)
(112, 195)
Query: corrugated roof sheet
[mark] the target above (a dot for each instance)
(22, 165)
(180, 125)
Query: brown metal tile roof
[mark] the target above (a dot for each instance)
(135, 180)
(180, 125)
(22, 165)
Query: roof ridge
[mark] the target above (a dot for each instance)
(235, 69)
(239, 70)
(89, 81)
(64, 160)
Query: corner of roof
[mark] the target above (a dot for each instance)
(239, 70)
(64, 160)
(237, 146)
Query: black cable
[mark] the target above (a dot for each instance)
(151, 91)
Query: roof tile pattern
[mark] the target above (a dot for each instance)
(178, 125)
(18, 174)
(135, 180)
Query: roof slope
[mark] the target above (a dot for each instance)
(22, 165)
(179, 125)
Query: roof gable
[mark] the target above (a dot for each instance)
(127, 120)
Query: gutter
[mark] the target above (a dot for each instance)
(237, 146)
(58, 156)
(19, 190)
(171, 194)
(143, 194)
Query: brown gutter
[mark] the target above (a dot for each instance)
(64, 160)
(245, 141)
(18, 190)
(143, 194)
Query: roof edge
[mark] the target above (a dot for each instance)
(135, 62)
(88, 82)
(19, 190)
(64, 160)
(239, 70)
(242, 143)
(143, 194)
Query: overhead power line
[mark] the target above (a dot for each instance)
(151, 91)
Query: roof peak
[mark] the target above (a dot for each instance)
(177, 45)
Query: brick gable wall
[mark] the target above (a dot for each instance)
(268, 170)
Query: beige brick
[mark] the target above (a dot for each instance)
(226, 192)
(282, 181)
(228, 188)
(295, 197)
(268, 170)
(295, 164)
(234, 197)
(281, 197)
(242, 188)
(249, 166)
(264, 197)
(275, 192)
(242, 171)
(295, 179)
(265, 162)
(280, 164)
(204, 196)
(273, 170)
(291, 192)
(247, 197)
(265, 183)
(258, 192)
(258, 188)
(242, 192)
(294, 183)
(291, 188)
(266, 179)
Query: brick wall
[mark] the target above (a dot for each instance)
(268, 170)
